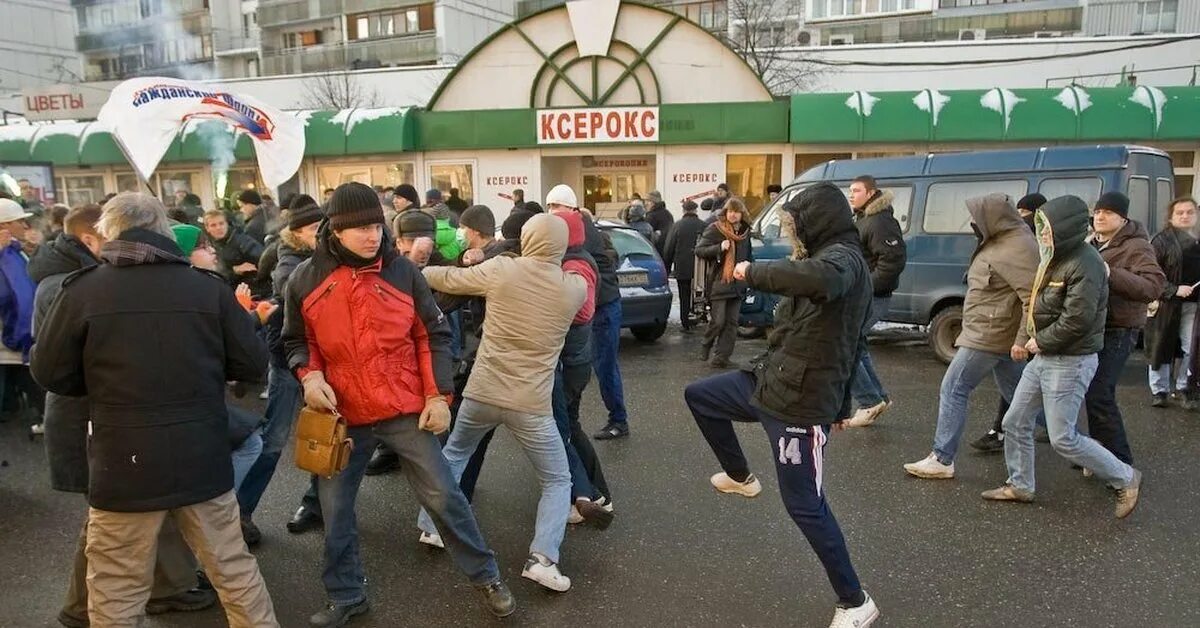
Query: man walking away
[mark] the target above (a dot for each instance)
(680, 254)
(826, 298)
(883, 247)
(1066, 330)
(145, 403)
(993, 337)
(660, 220)
(1134, 280)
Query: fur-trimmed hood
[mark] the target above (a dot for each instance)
(880, 201)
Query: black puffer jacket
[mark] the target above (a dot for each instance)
(882, 243)
(804, 377)
(151, 341)
(709, 248)
(1070, 292)
(235, 249)
(600, 247)
(65, 417)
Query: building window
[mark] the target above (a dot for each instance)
(252, 67)
(302, 39)
(749, 175)
(1157, 16)
(82, 190)
(249, 24)
(390, 23)
(818, 9)
(1184, 163)
(383, 174)
(461, 175)
(713, 15)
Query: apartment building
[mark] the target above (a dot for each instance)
(37, 48)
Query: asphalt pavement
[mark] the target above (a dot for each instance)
(931, 553)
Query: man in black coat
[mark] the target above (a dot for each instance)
(158, 432)
(883, 247)
(680, 253)
(238, 253)
(254, 215)
(801, 386)
(660, 220)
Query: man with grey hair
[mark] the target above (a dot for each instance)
(151, 342)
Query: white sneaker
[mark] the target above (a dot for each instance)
(857, 617)
(432, 540)
(263, 395)
(867, 416)
(930, 469)
(574, 518)
(539, 569)
(37, 429)
(605, 504)
(750, 488)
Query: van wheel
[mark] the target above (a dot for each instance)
(649, 333)
(943, 331)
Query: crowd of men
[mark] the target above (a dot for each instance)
(425, 332)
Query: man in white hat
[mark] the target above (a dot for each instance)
(17, 296)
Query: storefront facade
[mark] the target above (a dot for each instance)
(620, 99)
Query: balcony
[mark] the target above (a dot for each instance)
(145, 32)
(274, 13)
(177, 70)
(391, 51)
(226, 43)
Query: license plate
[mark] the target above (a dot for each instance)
(633, 279)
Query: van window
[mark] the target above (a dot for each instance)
(946, 203)
(1139, 199)
(1086, 188)
(1163, 193)
(769, 227)
(901, 205)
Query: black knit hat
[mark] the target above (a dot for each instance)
(300, 200)
(354, 205)
(409, 193)
(249, 196)
(414, 224)
(511, 229)
(1031, 202)
(479, 218)
(304, 216)
(1114, 202)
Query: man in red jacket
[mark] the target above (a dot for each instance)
(366, 339)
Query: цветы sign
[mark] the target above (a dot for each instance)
(595, 126)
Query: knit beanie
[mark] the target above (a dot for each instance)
(479, 218)
(354, 205)
(414, 224)
(511, 229)
(302, 217)
(409, 193)
(187, 237)
(1114, 202)
(250, 197)
(1031, 202)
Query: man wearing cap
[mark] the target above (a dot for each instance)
(680, 253)
(1134, 280)
(16, 303)
(660, 220)
(254, 217)
(366, 340)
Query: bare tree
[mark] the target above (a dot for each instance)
(337, 91)
(759, 32)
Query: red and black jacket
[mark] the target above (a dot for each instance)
(375, 332)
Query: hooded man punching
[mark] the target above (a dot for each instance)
(801, 386)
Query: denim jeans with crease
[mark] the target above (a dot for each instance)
(966, 371)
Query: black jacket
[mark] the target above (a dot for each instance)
(600, 247)
(151, 342)
(1070, 292)
(660, 220)
(882, 243)
(238, 248)
(65, 417)
(680, 248)
(266, 266)
(804, 378)
(291, 254)
(1178, 254)
(709, 248)
(256, 227)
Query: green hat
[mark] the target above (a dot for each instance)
(187, 237)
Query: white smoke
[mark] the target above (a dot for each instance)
(220, 142)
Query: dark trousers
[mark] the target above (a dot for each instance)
(1104, 417)
(686, 316)
(606, 343)
(722, 328)
(284, 398)
(719, 400)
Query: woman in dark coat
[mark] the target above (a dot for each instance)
(724, 243)
(1169, 329)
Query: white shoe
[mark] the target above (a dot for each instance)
(930, 469)
(574, 518)
(37, 429)
(867, 416)
(539, 569)
(857, 617)
(432, 540)
(263, 395)
(750, 488)
(605, 504)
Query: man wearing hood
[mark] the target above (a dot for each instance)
(993, 337)
(531, 301)
(883, 247)
(1065, 324)
(1134, 280)
(801, 386)
(367, 341)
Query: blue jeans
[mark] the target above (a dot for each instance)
(430, 478)
(865, 386)
(283, 402)
(799, 456)
(245, 456)
(543, 446)
(966, 371)
(1160, 378)
(1056, 384)
(606, 341)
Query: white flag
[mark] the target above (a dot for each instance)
(145, 114)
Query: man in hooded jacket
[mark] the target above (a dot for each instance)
(992, 338)
(801, 386)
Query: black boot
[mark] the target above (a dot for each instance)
(333, 615)
(498, 598)
(305, 520)
(384, 460)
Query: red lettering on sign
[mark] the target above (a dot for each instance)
(76, 101)
(597, 123)
(612, 124)
(581, 131)
(631, 123)
(547, 127)
(648, 124)
(563, 129)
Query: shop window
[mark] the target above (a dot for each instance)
(444, 176)
(82, 190)
(946, 203)
(381, 174)
(808, 160)
(749, 175)
(130, 183)
(1086, 188)
(240, 179)
(171, 182)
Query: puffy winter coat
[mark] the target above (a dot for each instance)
(1178, 254)
(882, 243)
(236, 249)
(16, 299)
(1070, 291)
(1134, 276)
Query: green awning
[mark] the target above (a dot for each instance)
(57, 143)
(996, 115)
(383, 130)
(97, 148)
(322, 136)
(14, 142)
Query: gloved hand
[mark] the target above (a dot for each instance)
(317, 392)
(436, 415)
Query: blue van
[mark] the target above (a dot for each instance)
(930, 204)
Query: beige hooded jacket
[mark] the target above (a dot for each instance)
(530, 304)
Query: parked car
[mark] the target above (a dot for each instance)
(645, 293)
(930, 204)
